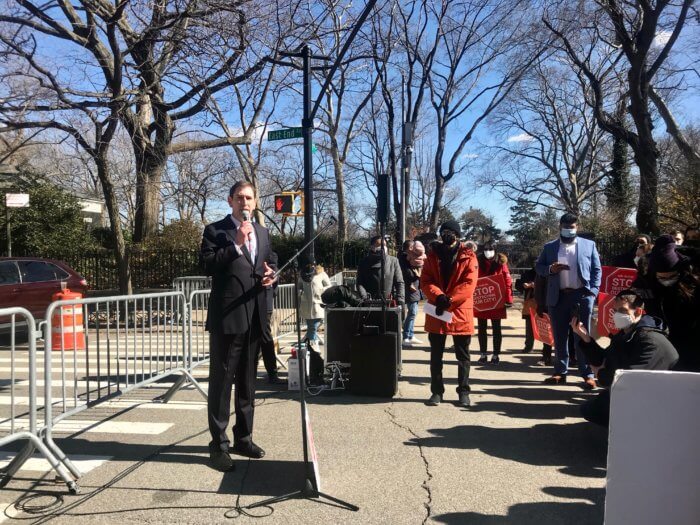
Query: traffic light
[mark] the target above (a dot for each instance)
(289, 203)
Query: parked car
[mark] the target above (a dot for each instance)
(30, 282)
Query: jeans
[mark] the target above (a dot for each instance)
(410, 321)
(437, 349)
(560, 316)
(312, 329)
(483, 335)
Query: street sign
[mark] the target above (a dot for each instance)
(284, 134)
(17, 200)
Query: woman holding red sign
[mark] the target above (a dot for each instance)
(492, 264)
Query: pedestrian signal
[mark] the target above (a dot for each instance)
(289, 203)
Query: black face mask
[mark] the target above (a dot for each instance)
(448, 238)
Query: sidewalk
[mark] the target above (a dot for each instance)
(520, 455)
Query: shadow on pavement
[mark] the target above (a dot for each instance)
(580, 447)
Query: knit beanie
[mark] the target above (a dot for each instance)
(663, 256)
(451, 225)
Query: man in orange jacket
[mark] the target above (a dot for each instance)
(448, 281)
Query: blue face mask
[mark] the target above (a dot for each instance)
(569, 233)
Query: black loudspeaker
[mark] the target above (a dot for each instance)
(373, 365)
(383, 193)
(344, 323)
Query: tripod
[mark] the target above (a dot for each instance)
(312, 481)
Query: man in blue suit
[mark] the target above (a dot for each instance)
(572, 267)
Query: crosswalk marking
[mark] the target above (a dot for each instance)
(71, 426)
(118, 403)
(37, 463)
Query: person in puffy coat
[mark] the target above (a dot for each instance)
(314, 281)
(491, 263)
(448, 281)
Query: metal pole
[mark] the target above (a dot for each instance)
(9, 230)
(307, 130)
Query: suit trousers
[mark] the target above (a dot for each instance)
(232, 361)
(560, 315)
(267, 348)
(437, 349)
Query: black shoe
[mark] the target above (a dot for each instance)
(526, 350)
(274, 379)
(464, 400)
(495, 360)
(249, 450)
(556, 379)
(220, 459)
(434, 400)
(482, 360)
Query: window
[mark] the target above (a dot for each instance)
(8, 273)
(37, 271)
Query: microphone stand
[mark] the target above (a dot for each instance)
(311, 485)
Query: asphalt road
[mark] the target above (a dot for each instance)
(520, 455)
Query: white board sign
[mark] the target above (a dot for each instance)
(653, 475)
(17, 200)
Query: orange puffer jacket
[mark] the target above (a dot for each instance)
(460, 289)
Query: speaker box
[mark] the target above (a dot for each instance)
(373, 369)
(342, 324)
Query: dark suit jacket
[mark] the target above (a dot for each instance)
(235, 283)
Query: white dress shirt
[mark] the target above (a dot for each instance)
(251, 243)
(567, 255)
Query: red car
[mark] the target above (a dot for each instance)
(30, 282)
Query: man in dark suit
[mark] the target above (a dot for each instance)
(235, 252)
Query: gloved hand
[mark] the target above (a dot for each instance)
(442, 303)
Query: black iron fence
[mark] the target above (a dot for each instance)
(153, 269)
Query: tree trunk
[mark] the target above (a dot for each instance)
(150, 165)
(439, 180)
(340, 193)
(120, 251)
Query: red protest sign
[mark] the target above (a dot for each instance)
(490, 293)
(542, 328)
(606, 309)
(615, 279)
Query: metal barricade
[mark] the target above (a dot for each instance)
(197, 336)
(284, 315)
(18, 395)
(191, 283)
(100, 348)
(337, 279)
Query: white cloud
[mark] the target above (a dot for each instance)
(523, 137)
(661, 38)
(470, 156)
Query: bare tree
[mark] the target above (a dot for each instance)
(553, 150)
(481, 56)
(631, 27)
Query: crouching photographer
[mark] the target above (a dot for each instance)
(641, 344)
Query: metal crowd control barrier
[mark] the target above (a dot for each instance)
(19, 416)
(104, 347)
(191, 283)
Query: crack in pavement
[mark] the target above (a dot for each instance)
(425, 484)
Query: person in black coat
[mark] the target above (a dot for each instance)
(236, 254)
(641, 344)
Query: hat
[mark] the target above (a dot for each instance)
(451, 225)
(663, 256)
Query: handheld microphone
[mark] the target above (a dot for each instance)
(246, 215)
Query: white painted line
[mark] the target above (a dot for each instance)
(68, 426)
(118, 403)
(37, 463)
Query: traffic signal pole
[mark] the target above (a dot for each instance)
(307, 127)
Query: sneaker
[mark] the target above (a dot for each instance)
(464, 400)
(407, 342)
(434, 400)
(495, 360)
(414, 340)
(483, 359)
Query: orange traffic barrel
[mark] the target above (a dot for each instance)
(67, 332)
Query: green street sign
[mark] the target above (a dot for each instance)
(284, 134)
